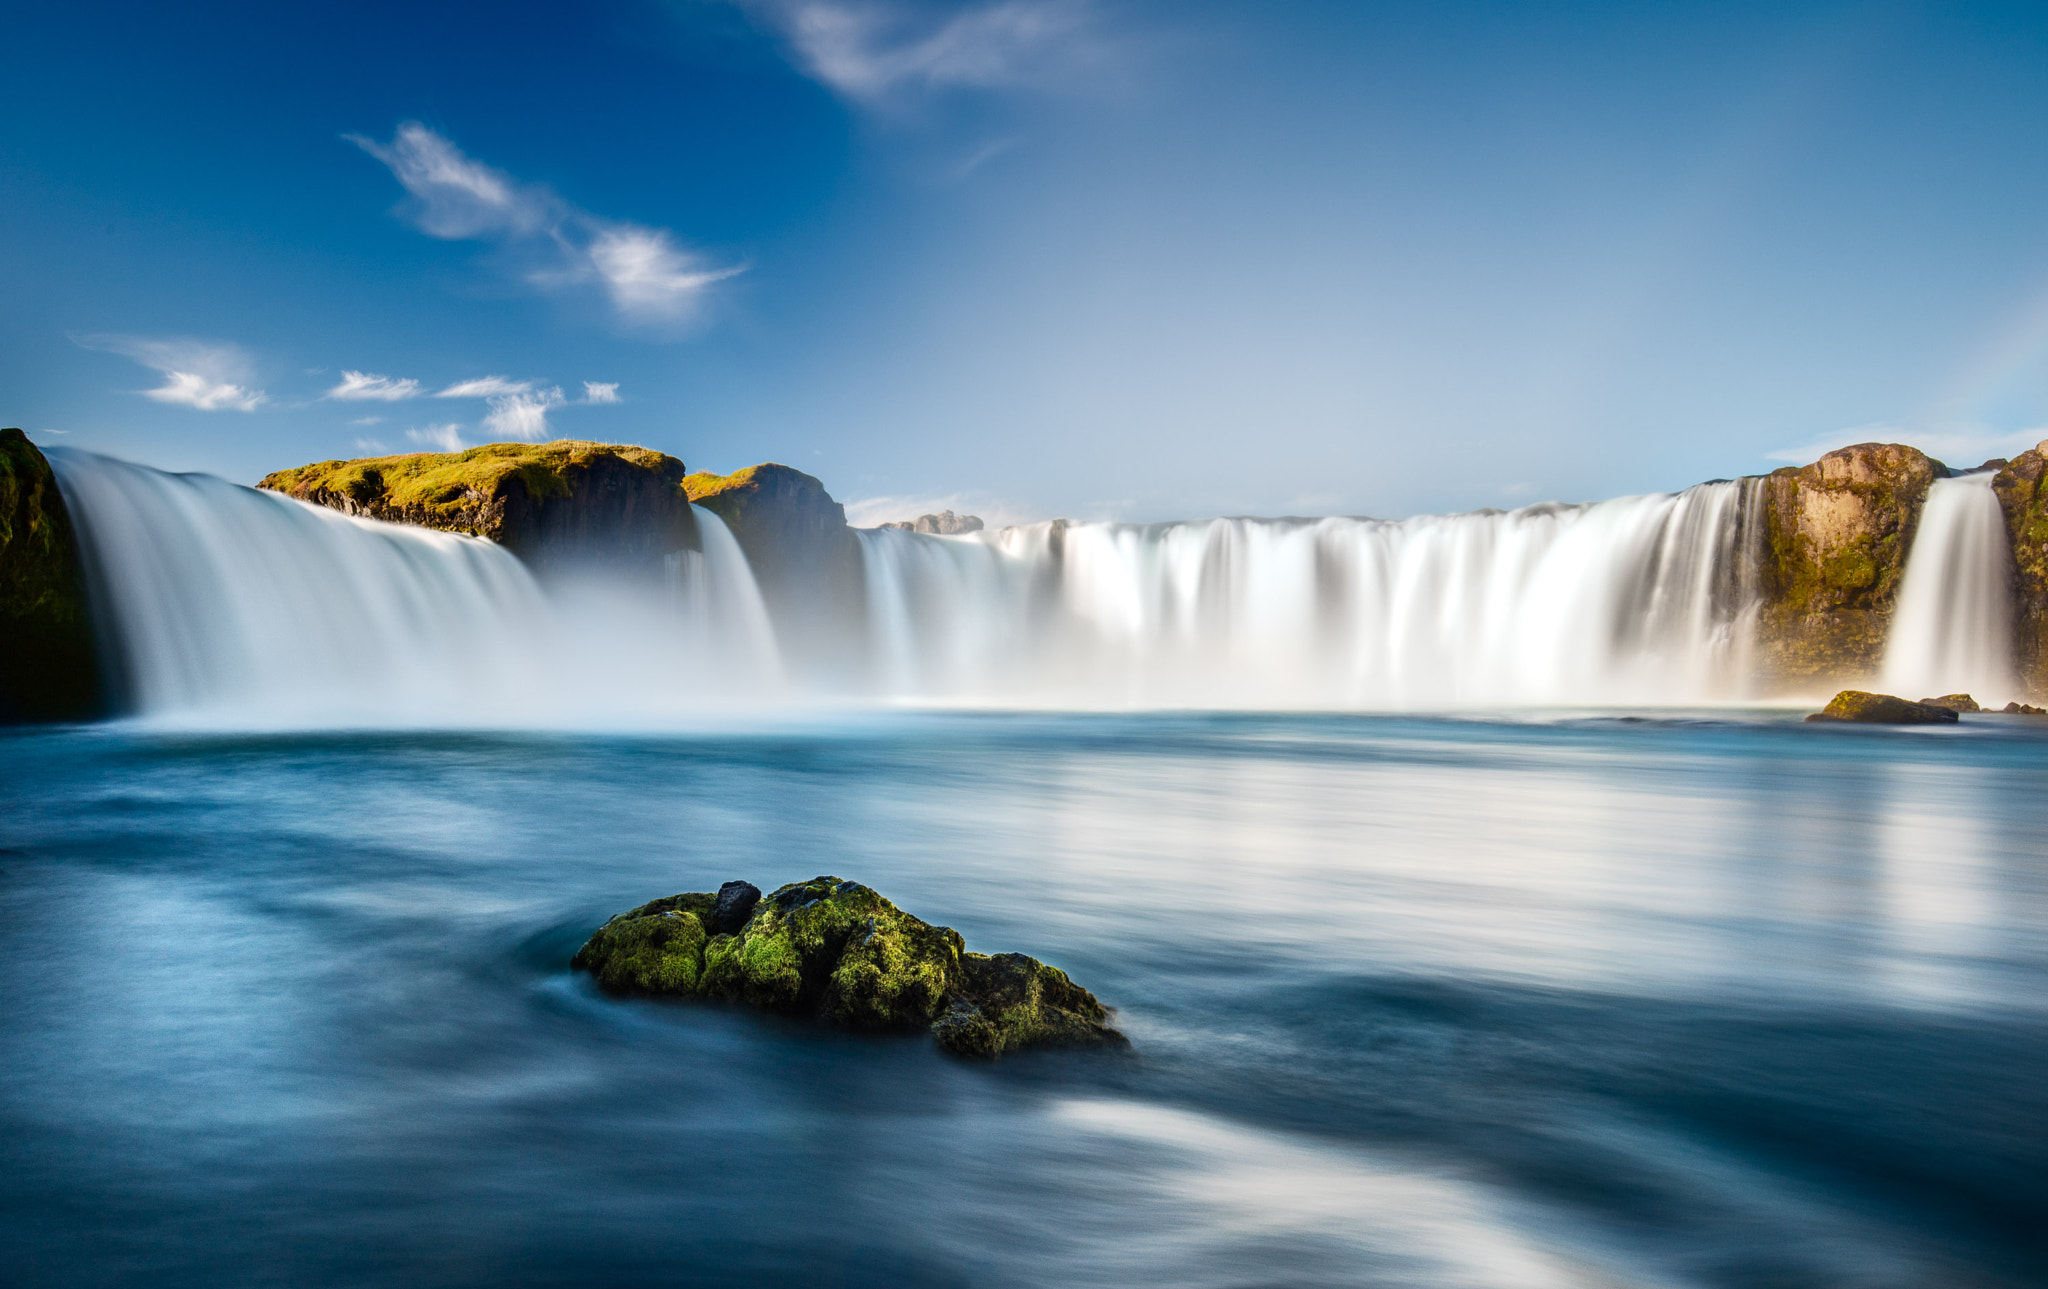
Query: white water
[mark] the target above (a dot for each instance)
(1953, 629)
(234, 606)
(1638, 600)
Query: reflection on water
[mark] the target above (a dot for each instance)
(1416, 1002)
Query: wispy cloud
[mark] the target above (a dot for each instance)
(868, 50)
(522, 416)
(484, 387)
(598, 392)
(359, 386)
(207, 375)
(1956, 445)
(647, 276)
(447, 438)
(367, 420)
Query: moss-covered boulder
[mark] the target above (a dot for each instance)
(1883, 709)
(805, 558)
(563, 504)
(1837, 533)
(840, 952)
(2017, 708)
(2023, 496)
(1954, 702)
(49, 664)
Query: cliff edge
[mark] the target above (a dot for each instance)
(555, 505)
(49, 665)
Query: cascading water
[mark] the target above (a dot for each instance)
(226, 604)
(1952, 632)
(1638, 600)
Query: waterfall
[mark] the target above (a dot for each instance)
(228, 605)
(1638, 600)
(1952, 632)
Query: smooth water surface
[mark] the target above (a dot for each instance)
(1415, 1002)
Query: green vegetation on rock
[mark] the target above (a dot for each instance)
(1837, 534)
(49, 664)
(545, 502)
(1884, 709)
(2023, 496)
(840, 952)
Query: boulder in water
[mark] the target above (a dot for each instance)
(840, 952)
(2023, 709)
(49, 659)
(1882, 709)
(1954, 702)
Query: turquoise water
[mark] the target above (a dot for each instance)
(1574, 1001)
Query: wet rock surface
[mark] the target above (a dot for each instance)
(2023, 709)
(1954, 702)
(1884, 709)
(49, 659)
(838, 951)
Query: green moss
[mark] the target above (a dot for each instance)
(49, 660)
(839, 951)
(1883, 709)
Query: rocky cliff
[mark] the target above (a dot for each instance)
(804, 555)
(1835, 537)
(2023, 497)
(555, 505)
(49, 667)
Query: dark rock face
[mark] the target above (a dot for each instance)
(839, 952)
(49, 664)
(736, 901)
(560, 505)
(805, 558)
(2024, 499)
(1883, 709)
(943, 524)
(1837, 534)
(2023, 709)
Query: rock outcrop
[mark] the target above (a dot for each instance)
(1883, 709)
(804, 556)
(2023, 497)
(49, 664)
(943, 524)
(840, 952)
(559, 505)
(1836, 535)
(1954, 702)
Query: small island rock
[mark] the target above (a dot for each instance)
(1882, 709)
(1954, 702)
(839, 951)
(2023, 709)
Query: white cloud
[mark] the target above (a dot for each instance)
(208, 375)
(485, 387)
(598, 392)
(448, 438)
(359, 386)
(868, 49)
(367, 420)
(643, 272)
(1959, 446)
(523, 415)
(371, 445)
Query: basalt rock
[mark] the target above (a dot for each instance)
(1954, 702)
(1883, 709)
(1836, 535)
(805, 558)
(556, 505)
(841, 953)
(943, 524)
(49, 664)
(2023, 497)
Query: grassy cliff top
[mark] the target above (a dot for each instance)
(429, 480)
(704, 485)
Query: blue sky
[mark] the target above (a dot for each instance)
(1035, 257)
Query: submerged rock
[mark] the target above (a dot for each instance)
(1954, 702)
(49, 659)
(839, 951)
(1883, 709)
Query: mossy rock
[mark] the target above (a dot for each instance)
(2022, 490)
(569, 502)
(1954, 702)
(1884, 709)
(49, 658)
(838, 951)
